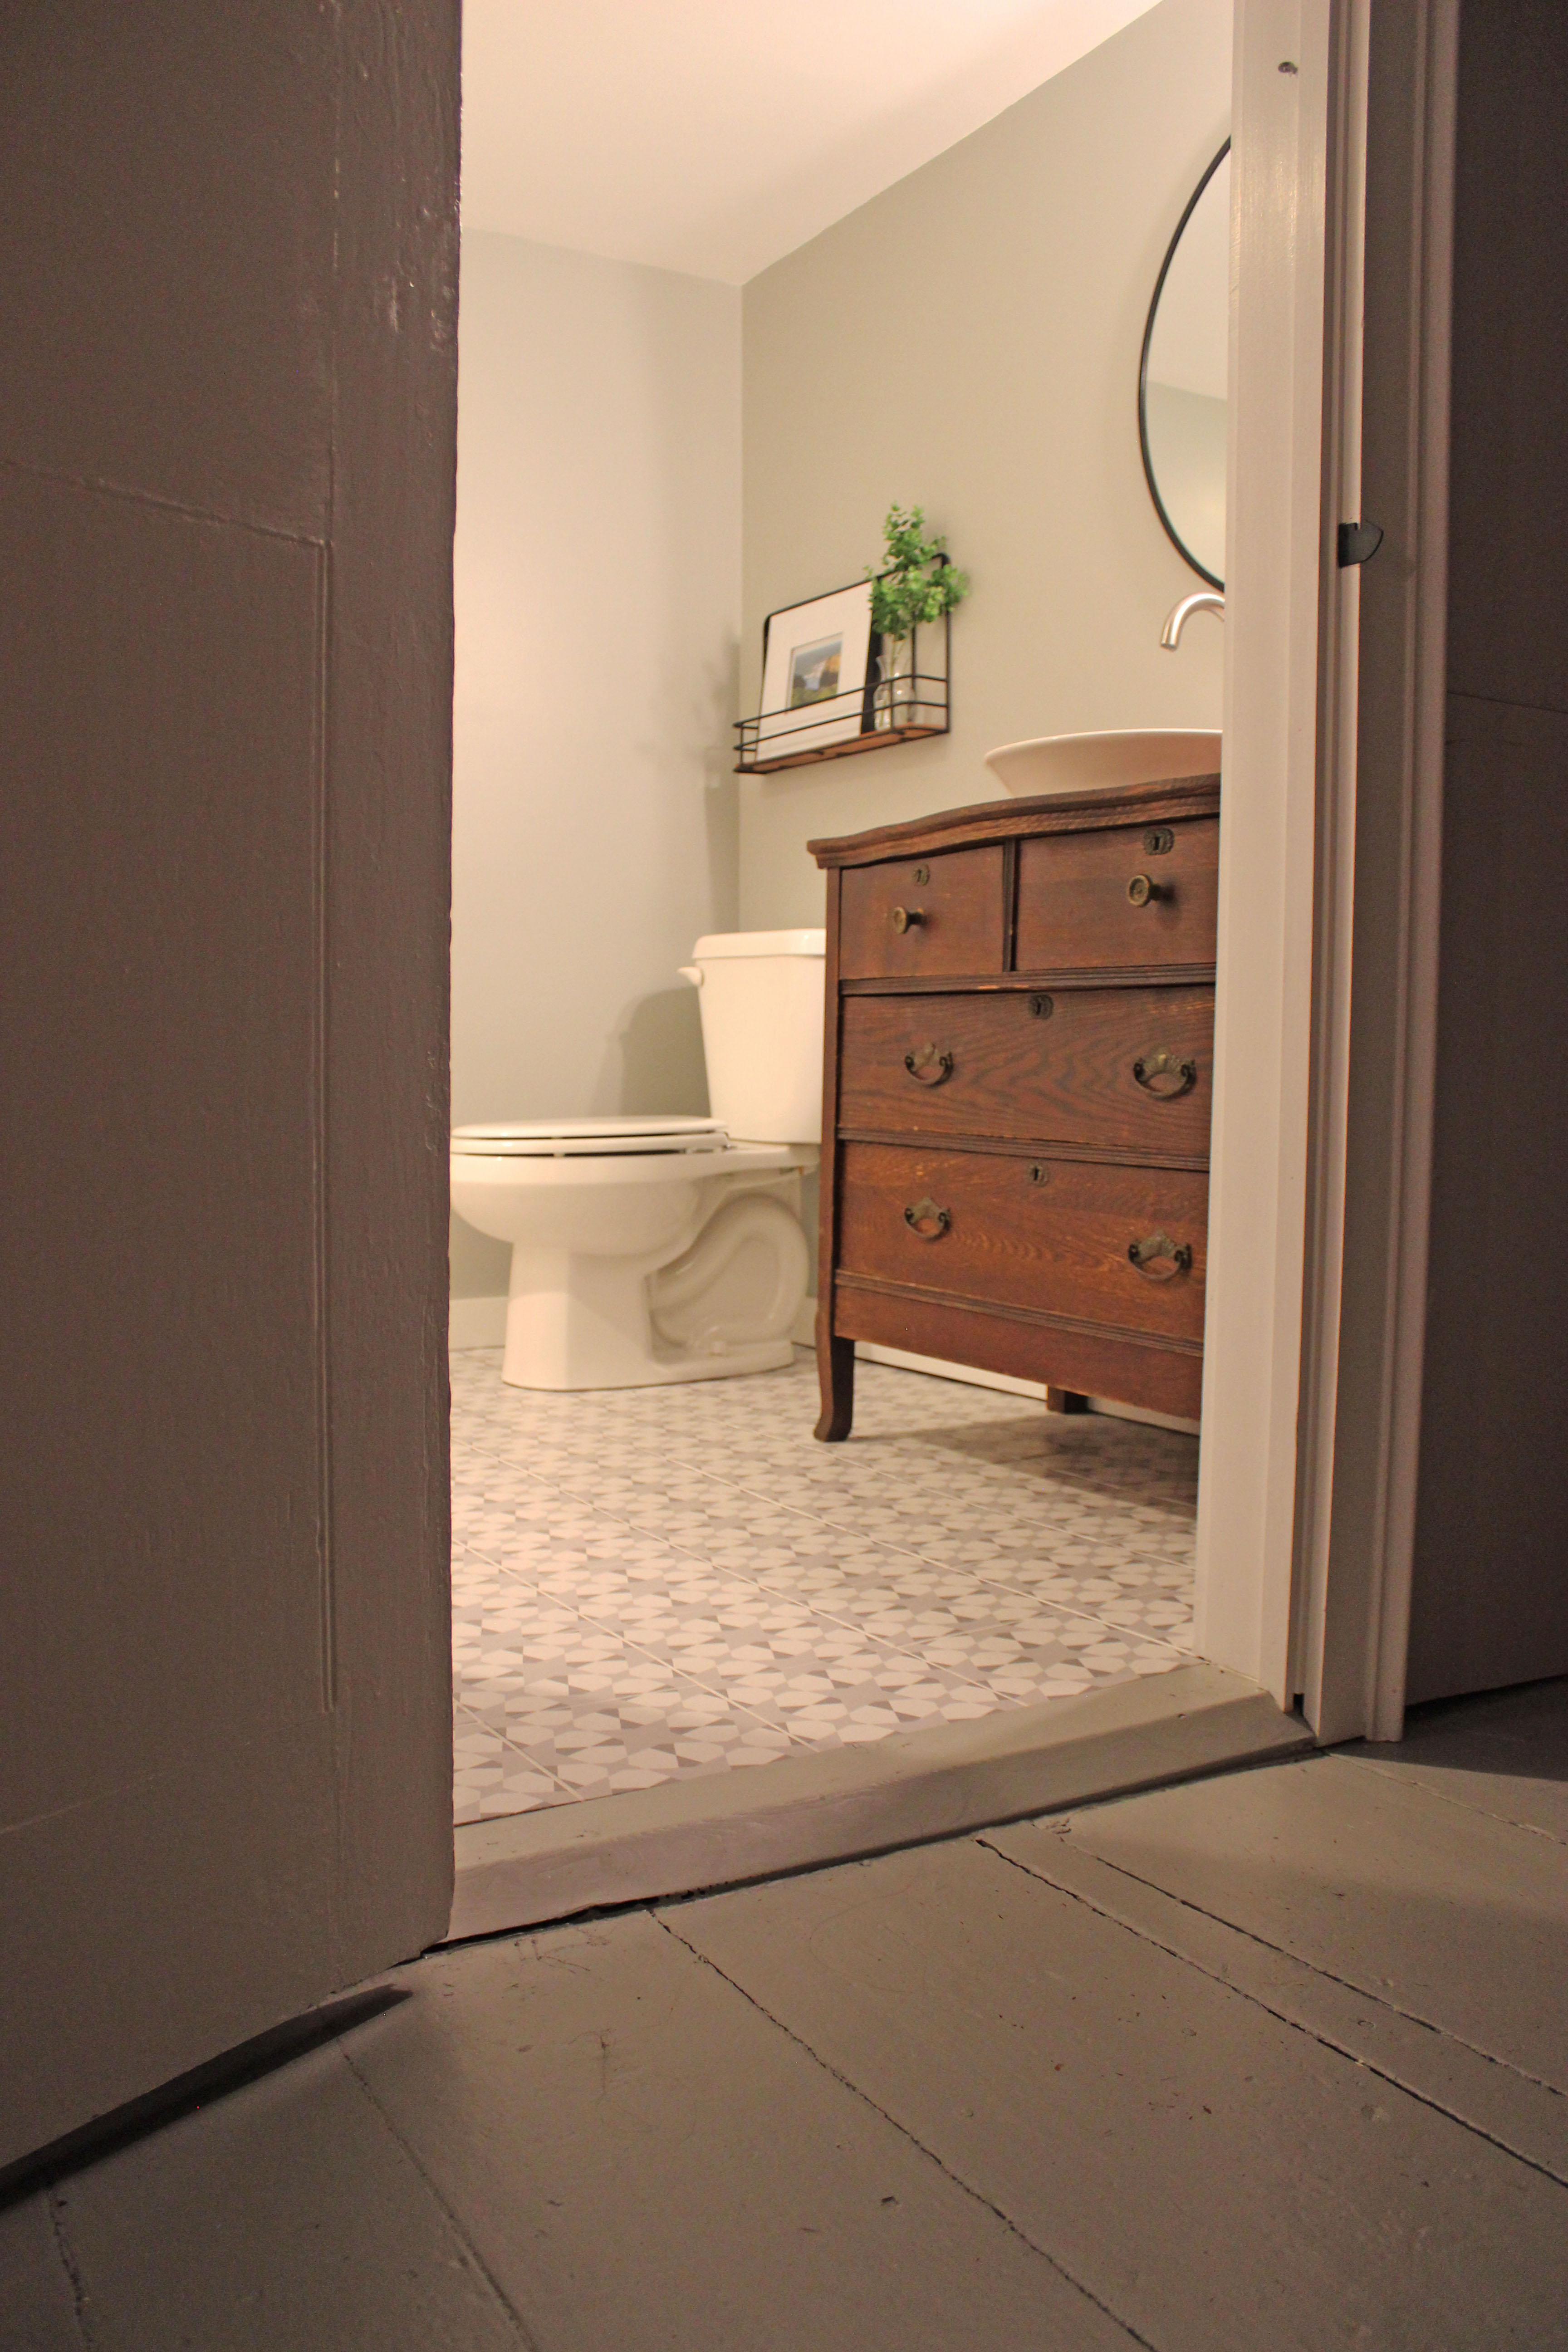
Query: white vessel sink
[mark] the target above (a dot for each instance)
(1132, 755)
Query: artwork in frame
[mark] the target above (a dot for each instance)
(816, 662)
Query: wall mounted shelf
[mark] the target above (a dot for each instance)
(904, 708)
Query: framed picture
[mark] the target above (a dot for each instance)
(817, 683)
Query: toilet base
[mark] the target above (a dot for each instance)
(723, 1306)
(524, 1370)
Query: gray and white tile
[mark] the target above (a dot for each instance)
(657, 1583)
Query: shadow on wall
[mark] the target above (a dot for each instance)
(662, 1069)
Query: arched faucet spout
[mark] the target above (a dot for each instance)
(1203, 601)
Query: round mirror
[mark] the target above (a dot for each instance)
(1182, 380)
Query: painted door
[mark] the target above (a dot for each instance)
(226, 467)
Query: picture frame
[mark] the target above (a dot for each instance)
(817, 657)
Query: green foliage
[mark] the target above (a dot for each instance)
(918, 583)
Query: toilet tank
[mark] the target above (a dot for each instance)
(761, 994)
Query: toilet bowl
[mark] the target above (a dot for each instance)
(652, 1250)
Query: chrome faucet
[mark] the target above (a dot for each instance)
(1203, 601)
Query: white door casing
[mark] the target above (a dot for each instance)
(1248, 1489)
(1379, 949)
(1326, 1025)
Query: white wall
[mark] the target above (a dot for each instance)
(969, 340)
(598, 592)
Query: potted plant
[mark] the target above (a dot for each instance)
(917, 583)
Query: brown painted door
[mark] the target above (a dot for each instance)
(227, 262)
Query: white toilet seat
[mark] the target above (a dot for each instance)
(586, 1138)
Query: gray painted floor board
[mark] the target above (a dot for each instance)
(1216, 2177)
(645, 2161)
(284, 2216)
(1078, 2083)
(35, 2300)
(1451, 1916)
(1505, 1755)
(1528, 2118)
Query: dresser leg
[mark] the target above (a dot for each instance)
(836, 1369)
(1064, 1400)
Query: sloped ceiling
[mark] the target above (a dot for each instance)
(714, 136)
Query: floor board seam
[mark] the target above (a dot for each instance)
(1312, 2033)
(965, 2186)
(54, 2206)
(1461, 1804)
(525, 2335)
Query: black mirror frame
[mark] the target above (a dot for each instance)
(1174, 536)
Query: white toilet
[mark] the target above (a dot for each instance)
(648, 1250)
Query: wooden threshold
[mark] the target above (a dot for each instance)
(687, 1837)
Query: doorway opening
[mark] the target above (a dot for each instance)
(664, 1582)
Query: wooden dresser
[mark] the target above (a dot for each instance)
(1016, 1090)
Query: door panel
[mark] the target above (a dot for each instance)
(225, 709)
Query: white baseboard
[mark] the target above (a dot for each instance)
(477, 1322)
(482, 1323)
(936, 1368)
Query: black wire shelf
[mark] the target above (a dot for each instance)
(903, 708)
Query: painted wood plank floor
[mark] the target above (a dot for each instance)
(1275, 2059)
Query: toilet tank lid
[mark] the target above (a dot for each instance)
(716, 945)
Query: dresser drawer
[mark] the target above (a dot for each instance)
(940, 914)
(1126, 1068)
(1049, 1234)
(1075, 907)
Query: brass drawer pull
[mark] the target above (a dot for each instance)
(1164, 1065)
(1146, 1255)
(1142, 892)
(923, 1213)
(927, 1066)
(907, 919)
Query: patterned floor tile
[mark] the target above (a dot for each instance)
(653, 1583)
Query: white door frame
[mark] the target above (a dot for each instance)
(1311, 1413)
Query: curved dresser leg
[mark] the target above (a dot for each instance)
(836, 1369)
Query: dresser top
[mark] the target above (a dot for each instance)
(1181, 796)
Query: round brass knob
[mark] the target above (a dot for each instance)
(1142, 892)
(905, 919)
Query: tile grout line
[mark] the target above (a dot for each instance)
(567, 1794)
(843, 1625)
(646, 1467)
(1297, 2025)
(1063, 1608)
(967, 2188)
(826, 1617)
(945, 1567)
(999, 1701)
(731, 1706)
(628, 1643)
(964, 1679)
(813, 1518)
